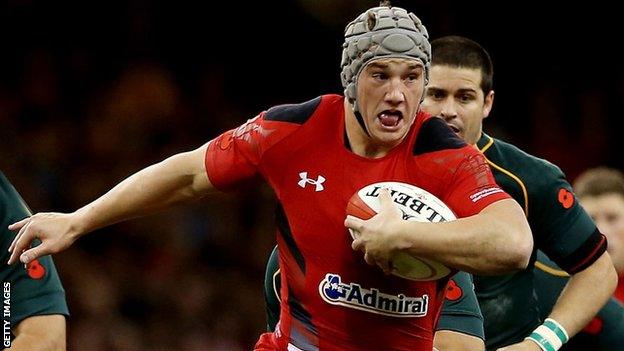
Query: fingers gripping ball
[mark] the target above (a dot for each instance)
(415, 204)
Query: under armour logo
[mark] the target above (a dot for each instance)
(305, 180)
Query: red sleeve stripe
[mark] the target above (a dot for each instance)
(598, 250)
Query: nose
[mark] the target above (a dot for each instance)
(448, 110)
(395, 94)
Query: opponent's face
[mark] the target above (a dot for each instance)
(608, 212)
(388, 94)
(455, 94)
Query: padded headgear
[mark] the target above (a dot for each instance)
(381, 32)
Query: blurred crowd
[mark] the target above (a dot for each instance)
(187, 279)
(92, 93)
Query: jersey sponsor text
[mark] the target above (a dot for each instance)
(352, 295)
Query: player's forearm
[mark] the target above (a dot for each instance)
(40, 333)
(176, 179)
(37, 343)
(585, 294)
(497, 240)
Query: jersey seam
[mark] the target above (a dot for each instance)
(517, 179)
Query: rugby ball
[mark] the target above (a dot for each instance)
(415, 204)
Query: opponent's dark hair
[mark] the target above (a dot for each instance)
(461, 52)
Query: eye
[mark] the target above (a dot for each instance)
(412, 77)
(380, 75)
(612, 218)
(435, 94)
(466, 98)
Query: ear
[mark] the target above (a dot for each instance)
(488, 103)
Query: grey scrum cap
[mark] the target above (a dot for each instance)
(381, 32)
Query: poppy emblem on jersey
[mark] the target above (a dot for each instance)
(566, 198)
(35, 269)
(453, 291)
(353, 295)
(318, 183)
(594, 327)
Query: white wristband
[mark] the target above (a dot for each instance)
(549, 336)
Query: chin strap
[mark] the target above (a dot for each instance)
(359, 118)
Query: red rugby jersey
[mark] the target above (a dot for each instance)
(331, 299)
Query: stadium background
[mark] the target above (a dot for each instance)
(93, 91)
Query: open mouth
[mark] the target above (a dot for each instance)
(390, 118)
(455, 129)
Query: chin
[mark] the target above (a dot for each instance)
(390, 139)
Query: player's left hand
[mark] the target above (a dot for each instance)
(526, 345)
(56, 231)
(375, 236)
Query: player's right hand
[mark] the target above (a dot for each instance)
(55, 231)
(375, 236)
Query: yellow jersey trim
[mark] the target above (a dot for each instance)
(509, 174)
(550, 270)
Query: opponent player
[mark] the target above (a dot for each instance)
(605, 332)
(601, 190)
(315, 155)
(460, 91)
(34, 301)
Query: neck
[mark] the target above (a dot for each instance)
(361, 143)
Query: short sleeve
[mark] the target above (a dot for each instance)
(564, 231)
(473, 186)
(33, 290)
(236, 155)
(461, 312)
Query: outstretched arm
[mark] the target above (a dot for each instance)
(496, 240)
(179, 178)
(584, 295)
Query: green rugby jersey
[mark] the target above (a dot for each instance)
(460, 312)
(561, 228)
(35, 289)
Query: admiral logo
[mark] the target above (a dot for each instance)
(413, 203)
(352, 295)
(483, 193)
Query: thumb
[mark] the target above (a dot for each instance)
(353, 223)
(34, 253)
(385, 200)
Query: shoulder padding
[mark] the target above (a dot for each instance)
(293, 113)
(435, 135)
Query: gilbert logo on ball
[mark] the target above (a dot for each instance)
(415, 204)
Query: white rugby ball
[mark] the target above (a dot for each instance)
(415, 204)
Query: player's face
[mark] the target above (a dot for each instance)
(608, 212)
(388, 95)
(455, 94)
